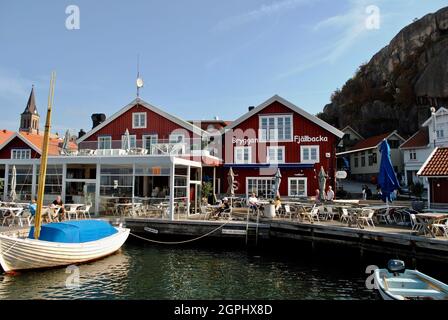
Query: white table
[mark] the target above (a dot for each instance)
(72, 209)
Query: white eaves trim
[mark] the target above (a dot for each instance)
(439, 112)
(143, 103)
(291, 106)
(21, 137)
(372, 147)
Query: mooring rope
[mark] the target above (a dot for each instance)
(180, 242)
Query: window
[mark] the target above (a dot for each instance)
(149, 140)
(276, 128)
(105, 142)
(21, 154)
(412, 155)
(275, 155)
(242, 154)
(262, 187)
(394, 144)
(310, 154)
(132, 142)
(177, 138)
(297, 187)
(139, 120)
(372, 158)
(363, 159)
(440, 134)
(356, 162)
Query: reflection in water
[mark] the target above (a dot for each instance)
(152, 272)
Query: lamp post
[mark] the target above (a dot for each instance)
(433, 114)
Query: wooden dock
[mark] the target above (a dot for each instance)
(381, 239)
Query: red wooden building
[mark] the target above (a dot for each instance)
(278, 134)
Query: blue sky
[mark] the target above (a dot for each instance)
(199, 58)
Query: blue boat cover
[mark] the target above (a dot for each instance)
(75, 231)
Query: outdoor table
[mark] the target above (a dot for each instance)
(428, 219)
(354, 214)
(13, 213)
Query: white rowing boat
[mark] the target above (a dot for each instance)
(23, 253)
(398, 283)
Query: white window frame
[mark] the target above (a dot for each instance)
(258, 179)
(101, 140)
(309, 147)
(150, 137)
(298, 179)
(242, 149)
(137, 120)
(133, 141)
(263, 138)
(20, 154)
(412, 155)
(173, 138)
(269, 160)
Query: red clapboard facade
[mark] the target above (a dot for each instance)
(278, 134)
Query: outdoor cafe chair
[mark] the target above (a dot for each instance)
(441, 226)
(26, 216)
(383, 216)
(84, 211)
(12, 215)
(416, 225)
(366, 217)
(329, 213)
(345, 217)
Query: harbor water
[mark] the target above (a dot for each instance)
(140, 271)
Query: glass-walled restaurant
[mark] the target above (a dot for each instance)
(166, 185)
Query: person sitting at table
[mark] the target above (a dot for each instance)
(317, 196)
(330, 193)
(253, 202)
(225, 207)
(59, 206)
(32, 207)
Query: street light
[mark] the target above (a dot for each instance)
(433, 114)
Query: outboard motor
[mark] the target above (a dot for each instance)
(396, 267)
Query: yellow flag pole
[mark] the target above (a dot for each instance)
(43, 161)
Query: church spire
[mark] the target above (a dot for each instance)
(31, 105)
(29, 119)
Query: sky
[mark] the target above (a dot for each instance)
(199, 58)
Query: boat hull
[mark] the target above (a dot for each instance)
(23, 254)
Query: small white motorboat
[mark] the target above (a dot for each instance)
(398, 283)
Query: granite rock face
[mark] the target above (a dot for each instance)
(384, 94)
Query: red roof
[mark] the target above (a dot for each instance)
(54, 148)
(419, 140)
(371, 142)
(436, 165)
(5, 135)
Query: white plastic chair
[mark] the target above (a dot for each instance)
(366, 217)
(416, 226)
(441, 226)
(85, 211)
(345, 216)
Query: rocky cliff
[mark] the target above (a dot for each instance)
(396, 87)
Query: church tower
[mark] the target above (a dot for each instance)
(29, 119)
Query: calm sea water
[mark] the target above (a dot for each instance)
(156, 272)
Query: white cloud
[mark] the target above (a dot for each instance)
(256, 14)
(350, 28)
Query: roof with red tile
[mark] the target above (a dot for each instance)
(436, 165)
(5, 135)
(55, 143)
(371, 142)
(419, 140)
(35, 141)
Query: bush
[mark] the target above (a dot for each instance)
(417, 190)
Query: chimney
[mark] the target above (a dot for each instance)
(81, 133)
(97, 119)
(251, 108)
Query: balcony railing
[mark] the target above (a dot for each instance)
(142, 147)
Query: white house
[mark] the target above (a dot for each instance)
(364, 156)
(417, 149)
